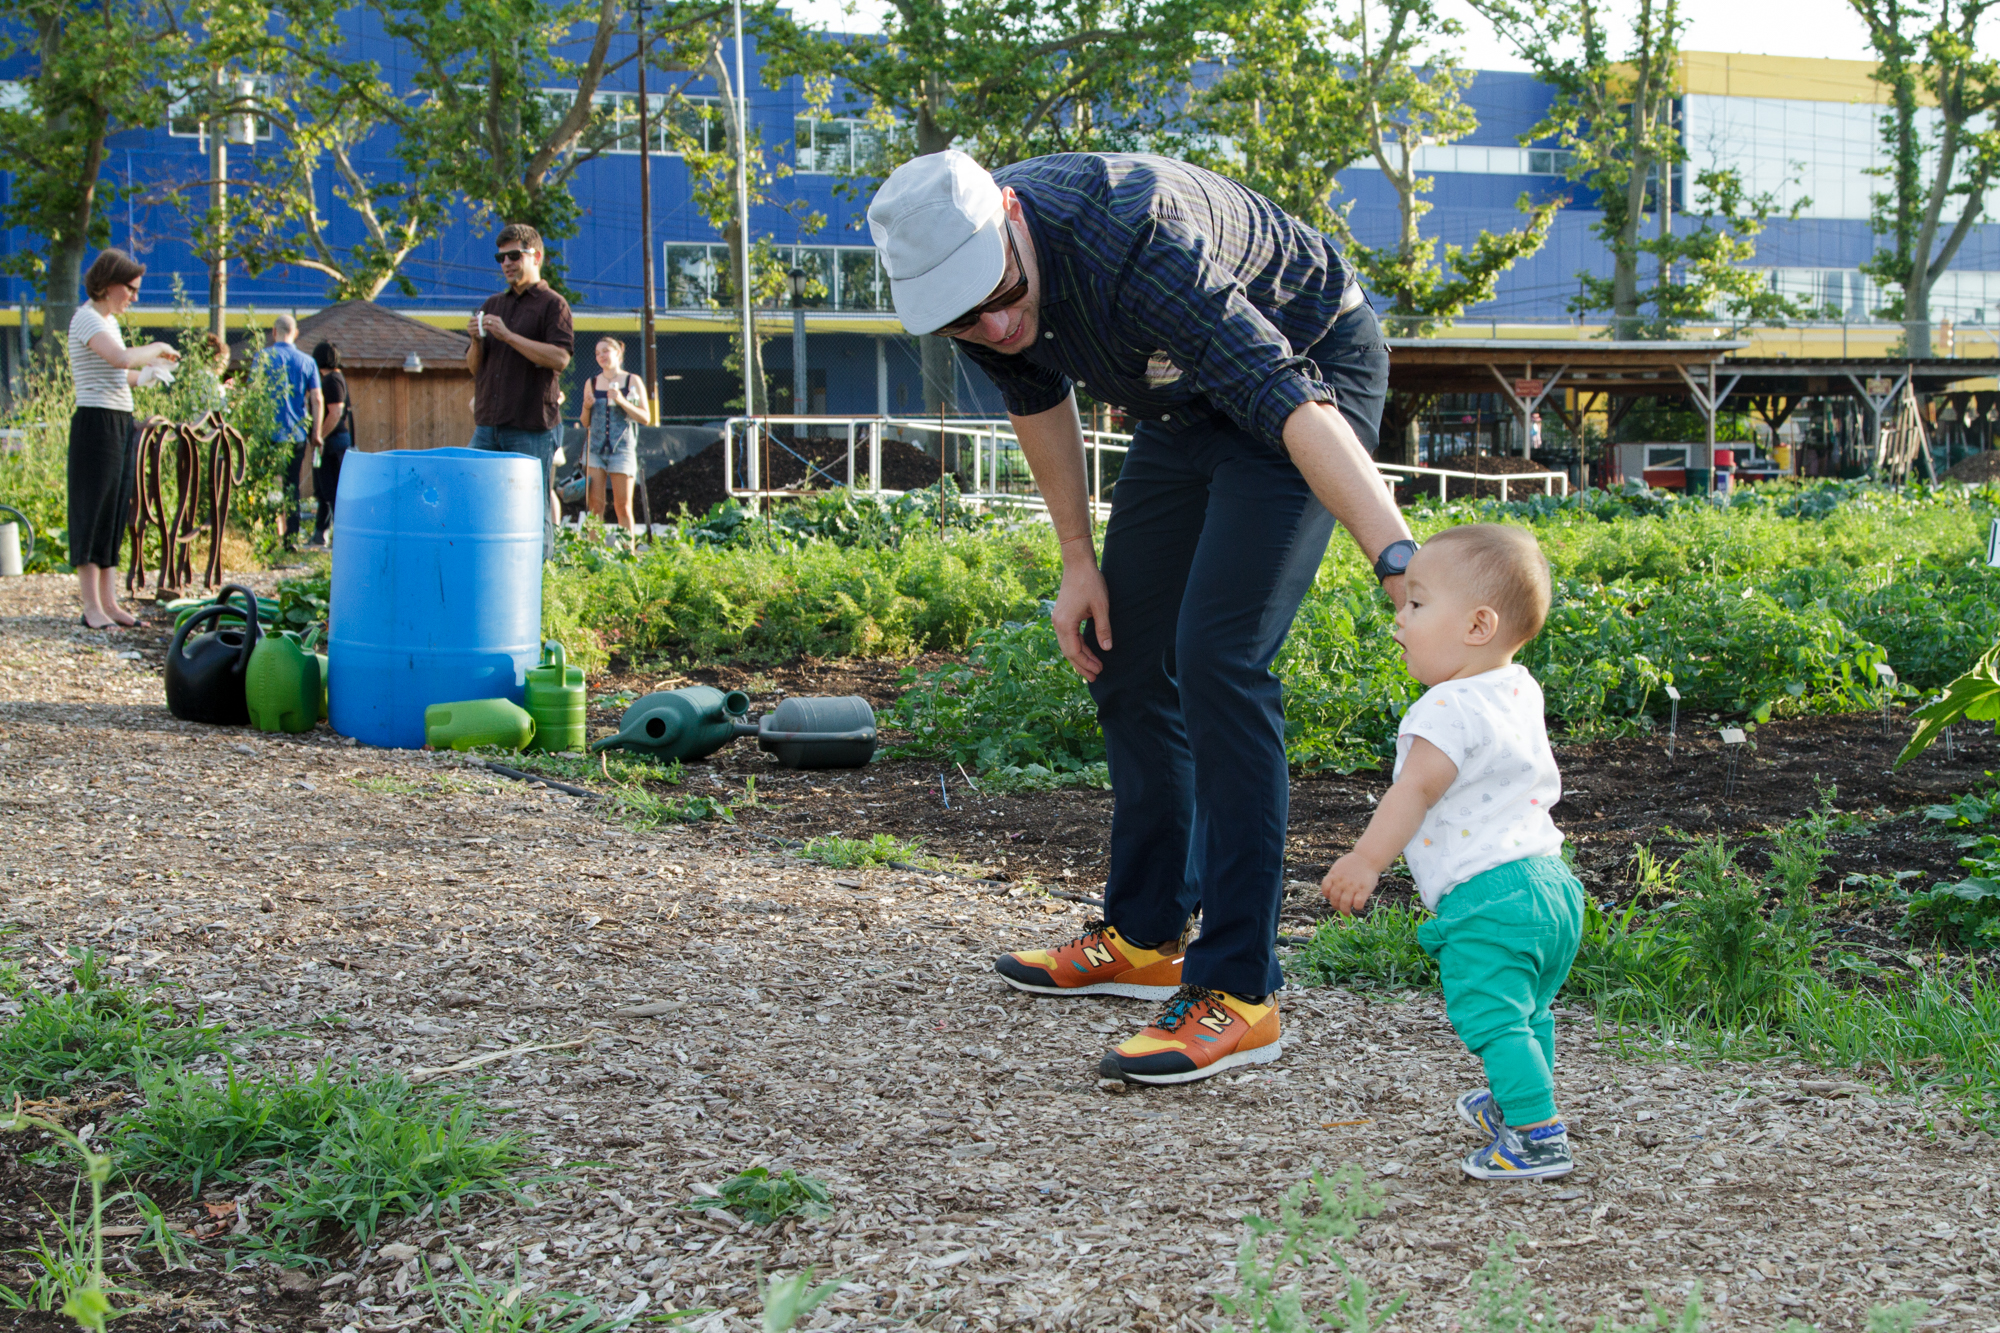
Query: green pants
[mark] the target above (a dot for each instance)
(1504, 941)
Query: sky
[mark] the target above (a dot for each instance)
(1827, 29)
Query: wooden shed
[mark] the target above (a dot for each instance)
(395, 405)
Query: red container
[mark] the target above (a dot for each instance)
(1667, 478)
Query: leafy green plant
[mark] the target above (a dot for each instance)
(1314, 1215)
(854, 853)
(760, 1197)
(1014, 702)
(1376, 950)
(1973, 696)
(788, 1300)
(96, 1033)
(1967, 912)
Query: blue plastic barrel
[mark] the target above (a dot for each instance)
(437, 587)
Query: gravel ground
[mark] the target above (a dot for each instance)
(848, 1024)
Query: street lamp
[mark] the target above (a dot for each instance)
(797, 278)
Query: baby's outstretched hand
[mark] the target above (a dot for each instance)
(1348, 885)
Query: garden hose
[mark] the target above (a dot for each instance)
(9, 514)
(227, 461)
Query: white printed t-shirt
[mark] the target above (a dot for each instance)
(1497, 809)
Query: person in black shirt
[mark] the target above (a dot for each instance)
(336, 434)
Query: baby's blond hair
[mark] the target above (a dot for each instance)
(1504, 568)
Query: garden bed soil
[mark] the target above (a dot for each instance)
(1619, 795)
(1977, 470)
(847, 1024)
(696, 481)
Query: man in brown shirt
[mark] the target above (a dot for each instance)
(521, 340)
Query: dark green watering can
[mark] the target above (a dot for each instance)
(689, 723)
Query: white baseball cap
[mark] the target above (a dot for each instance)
(936, 222)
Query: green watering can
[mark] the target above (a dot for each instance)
(555, 700)
(461, 726)
(689, 723)
(284, 687)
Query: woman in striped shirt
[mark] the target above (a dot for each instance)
(102, 468)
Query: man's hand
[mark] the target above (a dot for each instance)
(496, 327)
(1393, 585)
(1082, 597)
(1349, 883)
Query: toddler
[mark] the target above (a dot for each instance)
(1469, 811)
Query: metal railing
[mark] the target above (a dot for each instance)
(998, 474)
(1549, 480)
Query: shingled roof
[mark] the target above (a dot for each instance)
(374, 337)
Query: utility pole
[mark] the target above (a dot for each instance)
(650, 366)
(218, 203)
(652, 351)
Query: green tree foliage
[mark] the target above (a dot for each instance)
(1308, 92)
(1006, 80)
(1615, 116)
(502, 110)
(88, 72)
(324, 109)
(1927, 56)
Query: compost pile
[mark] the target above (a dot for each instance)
(1976, 470)
(696, 481)
(1495, 465)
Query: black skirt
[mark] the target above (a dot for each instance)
(102, 473)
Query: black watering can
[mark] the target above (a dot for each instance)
(205, 672)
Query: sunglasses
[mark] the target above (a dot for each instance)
(509, 256)
(1000, 300)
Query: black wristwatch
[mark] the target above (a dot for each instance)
(1394, 559)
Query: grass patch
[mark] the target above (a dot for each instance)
(759, 1197)
(1375, 951)
(489, 1305)
(96, 1033)
(639, 809)
(855, 853)
(339, 1150)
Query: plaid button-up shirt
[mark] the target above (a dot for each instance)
(1169, 291)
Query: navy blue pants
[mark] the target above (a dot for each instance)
(1213, 542)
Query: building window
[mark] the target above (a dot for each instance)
(671, 121)
(841, 147)
(1483, 161)
(848, 277)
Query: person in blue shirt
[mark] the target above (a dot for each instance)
(295, 381)
(1240, 341)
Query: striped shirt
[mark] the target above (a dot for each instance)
(1169, 291)
(98, 382)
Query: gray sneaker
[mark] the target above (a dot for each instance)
(1479, 1110)
(1514, 1155)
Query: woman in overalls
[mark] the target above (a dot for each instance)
(612, 402)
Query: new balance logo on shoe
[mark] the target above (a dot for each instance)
(1098, 955)
(1214, 1021)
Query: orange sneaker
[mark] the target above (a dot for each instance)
(1202, 1033)
(1098, 962)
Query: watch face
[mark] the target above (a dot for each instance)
(1395, 558)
